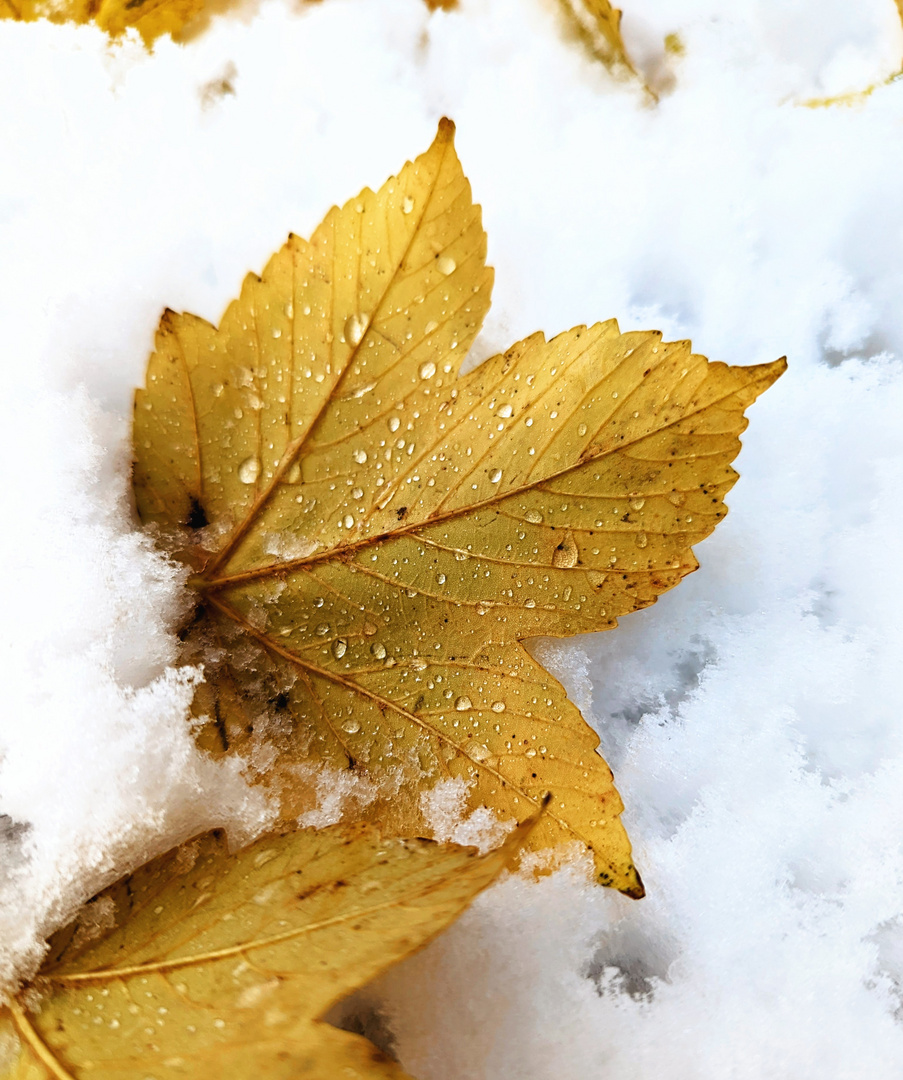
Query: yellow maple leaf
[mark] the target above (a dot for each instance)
(372, 536)
(151, 18)
(209, 965)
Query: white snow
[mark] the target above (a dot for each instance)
(752, 716)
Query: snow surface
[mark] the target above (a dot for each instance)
(752, 716)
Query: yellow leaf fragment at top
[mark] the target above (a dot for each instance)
(858, 97)
(214, 965)
(151, 18)
(373, 536)
(599, 25)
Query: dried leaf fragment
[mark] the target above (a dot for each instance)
(599, 24)
(220, 965)
(151, 18)
(373, 537)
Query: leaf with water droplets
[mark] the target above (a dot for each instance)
(442, 519)
(207, 964)
(151, 18)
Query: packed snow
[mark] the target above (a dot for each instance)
(752, 717)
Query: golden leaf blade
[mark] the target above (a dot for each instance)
(151, 18)
(221, 965)
(365, 590)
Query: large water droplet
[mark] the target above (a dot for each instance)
(427, 370)
(378, 650)
(351, 726)
(408, 205)
(637, 504)
(394, 423)
(360, 456)
(565, 555)
(249, 470)
(322, 630)
(446, 265)
(495, 476)
(348, 521)
(441, 578)
(641, 540)
(498, 706)
(294, 473)
(534, 517)
(504, 411)
(339, 648)
(530, 603)
(354, 329)
(463, 703)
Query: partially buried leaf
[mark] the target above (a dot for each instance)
(219, 965)
(372, 536)
(151, 18)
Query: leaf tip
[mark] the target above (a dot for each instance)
(766, 375)
(446, 130)
(634, 888)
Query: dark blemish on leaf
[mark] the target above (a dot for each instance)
(197, 515)
(220, 726)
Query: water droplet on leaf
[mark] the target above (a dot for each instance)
(354, 329)
(249, 470)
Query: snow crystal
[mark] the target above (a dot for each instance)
(752, 715)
